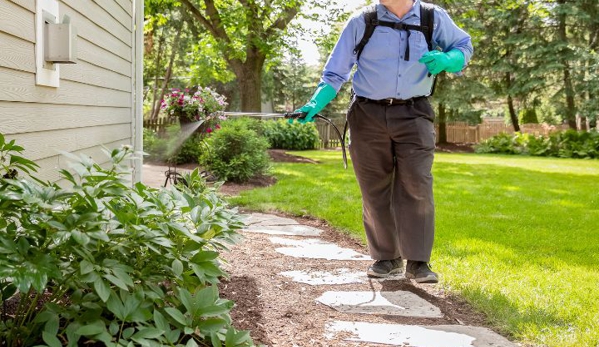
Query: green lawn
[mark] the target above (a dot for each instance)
(518, 237)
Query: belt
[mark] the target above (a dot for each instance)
(392, 101)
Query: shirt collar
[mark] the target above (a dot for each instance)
(382, 11)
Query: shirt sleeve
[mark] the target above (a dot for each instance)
(448, 35)
(338, 68)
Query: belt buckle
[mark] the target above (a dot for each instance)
(390, 101)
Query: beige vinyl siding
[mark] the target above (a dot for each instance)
(93, 107)
(96, 33)
(126, 5)
(20, 86)
(17, 21)
(116, 11)
(96, 55)
(26, 4)
(19, 117)
(15, 53)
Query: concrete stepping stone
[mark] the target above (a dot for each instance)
(292, 230)
(267, 219)
(417, 336)
(316, 249)
(398, 303)
(338, 276)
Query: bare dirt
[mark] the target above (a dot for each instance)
(280, 312)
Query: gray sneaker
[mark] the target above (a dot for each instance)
(420, 272)
(385, 268)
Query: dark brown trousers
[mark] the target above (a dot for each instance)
(392, 150)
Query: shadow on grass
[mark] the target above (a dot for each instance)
(508, 319)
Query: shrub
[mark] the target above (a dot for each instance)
(528, 116)
(172, 148)
(190, 150)
(295, 136)
(565, 144)
(106, 262)
(501, 143)
(245, 123)
(236, 154)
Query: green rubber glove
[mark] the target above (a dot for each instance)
(435, 61)
(322, 96)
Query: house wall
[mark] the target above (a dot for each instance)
(92, 107)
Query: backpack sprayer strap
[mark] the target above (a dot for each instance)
(426, 27)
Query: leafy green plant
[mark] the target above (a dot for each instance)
(254, 124)
(295, 136)
(565, 144)
(103, 261)
(236, 154)
(501, 143)
(191, 149)
(10, 162)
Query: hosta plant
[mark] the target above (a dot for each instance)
(99, 261)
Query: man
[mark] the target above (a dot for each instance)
(391, 127)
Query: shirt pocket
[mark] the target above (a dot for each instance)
(382, 45)
(418, 45)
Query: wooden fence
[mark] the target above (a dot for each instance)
(159, 125)
(460, 132)
(457, 132)
(328, 135)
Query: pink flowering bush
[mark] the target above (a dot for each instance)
(199, 104)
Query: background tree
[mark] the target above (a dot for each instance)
(288, 81)
(245, 32)
(168, 40)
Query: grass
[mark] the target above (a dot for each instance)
(518, 237)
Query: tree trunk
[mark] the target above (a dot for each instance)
(157, 63)
(442, 124)
(248, 72)
(591, 8)
(249, 79)
(167, 76)
(583, 123)
(570, 107)
(250, 86)
(510, 102)
(513, 115)
(568, 88)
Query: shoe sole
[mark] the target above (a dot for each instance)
(373, 274)
(427, 279)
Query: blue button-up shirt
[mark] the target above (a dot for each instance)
(382, 71)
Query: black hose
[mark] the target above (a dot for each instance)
(302, 115)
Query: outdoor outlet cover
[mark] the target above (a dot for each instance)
(46, 74)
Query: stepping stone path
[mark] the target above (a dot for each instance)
(329, 276)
